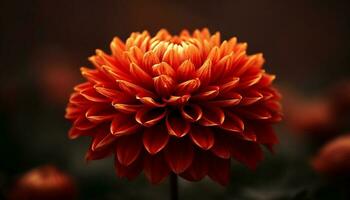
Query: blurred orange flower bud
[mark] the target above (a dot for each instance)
(334, 158)
(44, 183)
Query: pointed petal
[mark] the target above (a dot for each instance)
(128, 149)
(100, 113)
(255, 112)
(134, 89)
(248, 153)
(97, 155)
(212, 116)
(92, 95)
(230, 100)
(155, 139)
(251, 97)
(102, 139)
(130, 172)
(177, 100)
(185, 71)
(164, 85)
(123, 125)
(156, 168)
(203, 137)
(187, 87)
(191, 112)
(209, 92)
(179, 155)
(141, 76)
(229, 85)
(127, 108)
(149, 116)
(204, 72)
(163, 68)
(149, 59)
(176, 125)
(222, 146)
(219, 170)
(248, 81)
(232, 123)
(83, 124)
(149, 101)
(74, 133)
(198, 169)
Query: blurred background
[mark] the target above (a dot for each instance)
(306, 44)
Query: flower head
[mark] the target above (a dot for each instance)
(42, 183)
(334, 158)
(185, 104)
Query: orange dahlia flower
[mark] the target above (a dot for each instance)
(185, 104)
(43, 183)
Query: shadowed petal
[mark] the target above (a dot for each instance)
(82, 123)
(198, 168)
(179, 155)
(191, 112)
(149, 116)
(202, 136)
(164, 85)
(155, 139)
(185, 71)
(128, 149)
(187, 87)
(127, 108)
(222, 146)
(212, 116)
(219, 170)
(123, 125)
(100, 113)
(163, 68)
(156, 169)
(92, 95)
(232, 123)
(131, 171)
(209, 92)
(248, 153)
(176, 125)
(251, 97)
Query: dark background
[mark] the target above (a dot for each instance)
(43, 44)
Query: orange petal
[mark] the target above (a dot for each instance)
(177, 100)
(176, 125)
(74, 133)
(231, 99)
(191, 112)
(246, 152)
(83, 124)
(92, 95)
(204, 72)
(232, 123)
(155, 139)
(187, 87)
(128, 149)
(102, 140)
(248, 81)
(100, 113)
(149, 101)
(164, 85)
(134, 89)
(222, 147)
(229, 85)
(219, 170)
(255, 113)
(185, 71)
(156, 168)
(149, 116)
(163, 68)
(123, 125)
(141, 76)
(198, 168)
(179, 155)
(202, 136)
(131, 171)
(251, 97)
(208, 93)
(149, 59)
(126, 108)
(212, 116)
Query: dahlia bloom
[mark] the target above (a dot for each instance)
(184, 104)
(333, 159)
(43, 183)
